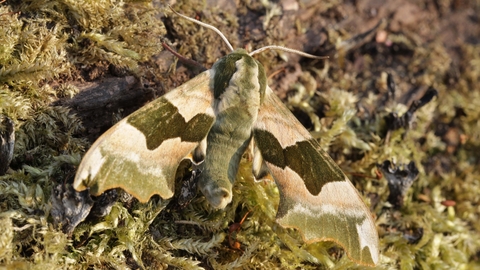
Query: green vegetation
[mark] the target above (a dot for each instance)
(48, 48)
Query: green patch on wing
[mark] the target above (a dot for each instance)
(165, 122)
(306, 158)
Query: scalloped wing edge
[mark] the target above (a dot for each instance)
(140, 155)
(315, 195)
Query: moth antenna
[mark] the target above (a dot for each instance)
(205, 25)
(285, 49)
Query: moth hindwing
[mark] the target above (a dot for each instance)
(216, 115)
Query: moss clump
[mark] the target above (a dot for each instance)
(48, 48)
(45, 48)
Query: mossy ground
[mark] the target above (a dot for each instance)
(49, 48)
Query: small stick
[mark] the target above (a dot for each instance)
(183, 58)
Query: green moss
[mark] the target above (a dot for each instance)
(46, 47)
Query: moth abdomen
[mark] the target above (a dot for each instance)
(237, 91)
(217, 191)
(225, 148)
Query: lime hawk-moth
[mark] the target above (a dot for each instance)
(215, 116)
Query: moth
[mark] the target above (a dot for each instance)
(215, 116)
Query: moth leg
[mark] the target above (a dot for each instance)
(259, 168)
(200, 152)
(250, 151)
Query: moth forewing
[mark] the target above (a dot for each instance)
(141, 153)
(315, 196)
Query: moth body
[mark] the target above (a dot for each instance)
(237, 101)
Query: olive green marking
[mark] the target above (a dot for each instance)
(165, 122)
(224, 70)
(226, 67)
(306, 158)
(270, 148)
